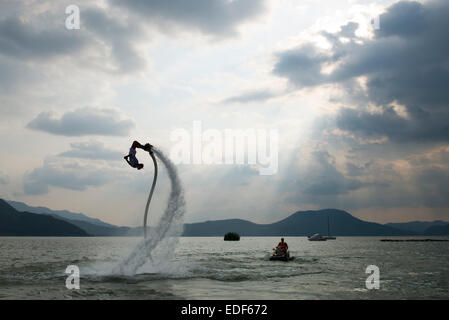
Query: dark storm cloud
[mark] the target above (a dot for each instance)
(120, 36)
(407, 62)
(40, 39)
(84, 121)
(302, 66)
(348, 30)
(67, 176)
(323, 178)
(42, 36)
(28, 41)
(91, 150)
(213, 17)
(24, 41)
(317, 179)
(424, 127)
(354, 170)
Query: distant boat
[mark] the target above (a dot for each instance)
(318, 237)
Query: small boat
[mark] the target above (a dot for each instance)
(279, 255)
(317, 237)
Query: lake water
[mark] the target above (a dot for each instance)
(210, 268)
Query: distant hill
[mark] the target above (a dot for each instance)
(21, 207)
(417, 226)
(98, 230)
(14, 223)
(92, 226)
(438, 230)
(101, 231)
(301, 223)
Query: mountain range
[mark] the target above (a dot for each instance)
(301, 223)
(43, 221)
(14, 223)
(20, 206)
(417, 226)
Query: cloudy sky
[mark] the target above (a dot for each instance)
(362, 109)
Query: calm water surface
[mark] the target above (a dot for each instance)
(209, 268)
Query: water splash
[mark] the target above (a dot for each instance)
(163, 238)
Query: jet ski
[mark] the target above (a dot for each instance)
(281, 255)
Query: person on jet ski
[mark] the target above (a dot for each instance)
(282, 247)
(131, 157)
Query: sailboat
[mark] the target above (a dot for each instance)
(329, 237)
(318, 237)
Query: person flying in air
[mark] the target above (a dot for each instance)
(131, 157)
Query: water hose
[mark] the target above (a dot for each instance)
(150, 195)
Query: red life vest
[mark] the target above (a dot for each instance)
(282, 244)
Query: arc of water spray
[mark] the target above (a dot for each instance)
(170, 223)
